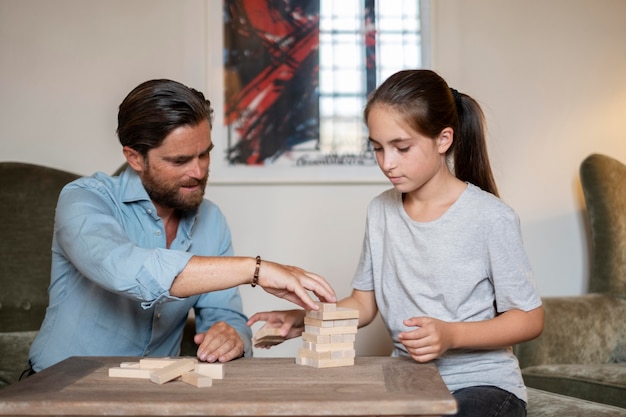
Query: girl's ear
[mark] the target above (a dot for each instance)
(134, 158)
(444, 141)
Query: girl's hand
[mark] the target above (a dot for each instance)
(429, 341)
(290, 322)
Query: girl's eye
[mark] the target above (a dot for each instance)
(377, 149)
(404, 150)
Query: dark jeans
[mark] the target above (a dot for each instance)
(488, 401)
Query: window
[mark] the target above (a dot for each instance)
(361, 43)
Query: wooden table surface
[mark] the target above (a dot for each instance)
(251, 387)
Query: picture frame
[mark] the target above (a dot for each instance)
(262, 81)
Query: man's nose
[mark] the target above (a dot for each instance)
(198, 168)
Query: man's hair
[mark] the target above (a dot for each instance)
(156, 107)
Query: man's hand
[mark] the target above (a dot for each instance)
(292, 283)
(220, 343)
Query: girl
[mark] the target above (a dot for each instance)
(443, 260)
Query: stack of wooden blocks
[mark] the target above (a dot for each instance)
(328, 337)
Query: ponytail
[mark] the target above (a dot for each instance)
(469, 148)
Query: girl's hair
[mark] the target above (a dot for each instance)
(429, 105)
(154, 109)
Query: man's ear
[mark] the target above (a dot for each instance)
(134, 158)
(445, 139)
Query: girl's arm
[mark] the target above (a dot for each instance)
(365, 302)
(291, 322)
(434, 337)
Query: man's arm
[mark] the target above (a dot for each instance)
(203, 274)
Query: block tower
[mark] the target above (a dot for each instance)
(328, 337)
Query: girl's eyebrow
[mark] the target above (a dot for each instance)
(391, 142)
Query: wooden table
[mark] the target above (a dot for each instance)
(251, 387)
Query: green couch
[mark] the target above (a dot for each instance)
(582, 350)
(28, 197)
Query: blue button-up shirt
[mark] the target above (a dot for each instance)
(111, 275)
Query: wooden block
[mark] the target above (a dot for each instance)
(172, 371)
(318, 323)
(327, 347)
(326, 306)
(213, 370)
(311, 354)
(344, 322)
(342, 338)
(197, 379)
(157, 363)
(338, 314)
(303, 361)
(315, 338)
(330, 330)
(267, 337)
(324, 363)
(130, 372)
(129, 365)
(267, 331)
(331, 354)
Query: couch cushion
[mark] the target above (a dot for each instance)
(603, 383)
(547, 404)
(14, 359)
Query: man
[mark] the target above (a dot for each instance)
(132, 254)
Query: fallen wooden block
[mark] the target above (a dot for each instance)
(197, 379)
(172, 371)
(213, 370)
(156, 363)
(129, 365)
(130, 372)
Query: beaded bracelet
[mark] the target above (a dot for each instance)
(255, 279)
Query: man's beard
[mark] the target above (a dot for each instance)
(168, 195)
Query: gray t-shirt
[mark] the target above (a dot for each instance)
(468, 265)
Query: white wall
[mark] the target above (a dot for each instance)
(550, 76)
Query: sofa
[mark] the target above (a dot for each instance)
(28, 198)
(581, 353)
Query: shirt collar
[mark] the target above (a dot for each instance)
(133, 191)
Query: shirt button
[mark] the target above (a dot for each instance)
(149, 211)
(158, 233)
